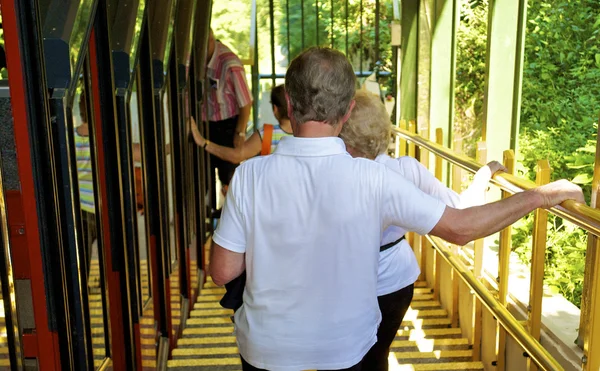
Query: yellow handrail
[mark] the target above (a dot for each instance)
(579, 214)
(532, 347)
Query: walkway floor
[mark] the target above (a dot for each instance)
(425, 341)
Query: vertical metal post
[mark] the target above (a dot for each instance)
(332, 24)
(302, 16)
(255, 77)
(538, 257)
(346, 27)
(377, 15)
(317, 21)
(361, 36)
(503, 269)
(287, 19)
(272, 22)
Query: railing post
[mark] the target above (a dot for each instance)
(403, 125)
(589, 326)
(538, 257)
(456, 186)
(412, 127)
(425, 246)
(503, 271)
(437, 261)
(481, 157)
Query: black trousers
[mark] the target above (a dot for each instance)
(222, 133)
(248, 367)
(393, 307)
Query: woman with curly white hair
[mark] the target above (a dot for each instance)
(367, 134)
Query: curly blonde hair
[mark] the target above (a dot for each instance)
(368, 129)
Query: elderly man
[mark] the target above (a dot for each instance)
(227, 106)
(306, 224)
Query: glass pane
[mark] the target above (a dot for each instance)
(65, 22)
(138, 168)
(84, 147)
(127, 17)
(170, 188)
(162, 18)
(3, 71)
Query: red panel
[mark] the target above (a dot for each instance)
(113, 278)
(18, 239)
(49, 358)
(138, 346)
(30, 349)
(169, 318)
(154, 275)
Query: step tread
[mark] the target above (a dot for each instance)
(425, 340)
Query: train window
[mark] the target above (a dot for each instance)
(169, 174)
(3, 70)
(138, 167)
(83, 130)
(65, 21)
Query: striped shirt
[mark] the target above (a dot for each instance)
(227, 89)
(278, 133)
(85, 173)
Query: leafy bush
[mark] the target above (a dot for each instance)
(560, 106)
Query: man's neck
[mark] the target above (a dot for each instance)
(315, 129)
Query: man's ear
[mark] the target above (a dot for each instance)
(275, 111)
(347, 115)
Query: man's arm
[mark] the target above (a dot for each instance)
(242, 122)
(462, 226)
(225, 265)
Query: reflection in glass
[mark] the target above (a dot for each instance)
(3, 70)
(83, 135)
(138, 168)
(169, 174)
(127, 16)
(66, 21)
(4, 352)
(162, 20)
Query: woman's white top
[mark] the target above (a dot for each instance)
(398, 266)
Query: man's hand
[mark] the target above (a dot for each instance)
(238, 139)
(556, 192)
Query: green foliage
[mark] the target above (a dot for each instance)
(561, 90)
(560, 104)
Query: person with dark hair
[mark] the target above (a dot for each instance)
(264, 141)
(306, 222)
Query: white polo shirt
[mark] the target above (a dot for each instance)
(398, 266)
(310, 220)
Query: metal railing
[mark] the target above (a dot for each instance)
(527, 336)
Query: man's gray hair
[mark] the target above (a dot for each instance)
(320, 84)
